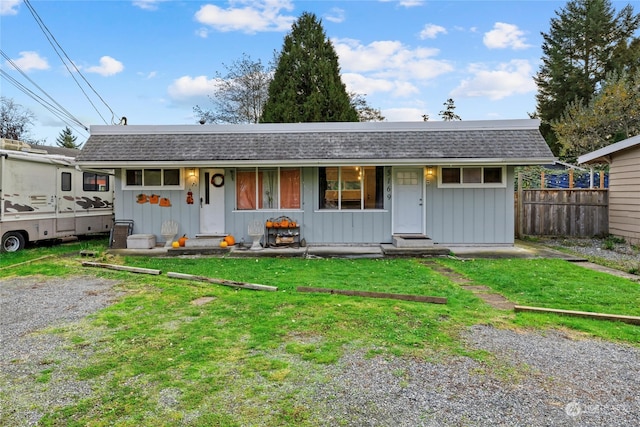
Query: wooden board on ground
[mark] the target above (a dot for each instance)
(404, 297)
(122, 268)
(223, 282)
(634, 320)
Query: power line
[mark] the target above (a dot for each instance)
(69, 120)
(56, 109)
(53, 42)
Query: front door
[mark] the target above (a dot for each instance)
(408, 209)
(212, 183)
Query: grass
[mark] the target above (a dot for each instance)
(248, 357)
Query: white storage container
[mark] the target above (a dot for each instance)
(141, 241)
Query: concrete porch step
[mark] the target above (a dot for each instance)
(203, 242)
(412, 241)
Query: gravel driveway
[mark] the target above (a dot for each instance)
(533, 379)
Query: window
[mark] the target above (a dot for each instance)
(351, 187)
(153, 177)
(65, 181)
(472, 176)
(268, 188)
(95, 182)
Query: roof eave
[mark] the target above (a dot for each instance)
(602, 155)
(321, 162)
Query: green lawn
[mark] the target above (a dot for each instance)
(247, 343)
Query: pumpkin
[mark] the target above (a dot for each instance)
(284, 223)
(175, 245)
(182, 240)
(276, 225)
(230, 240)
(223, 244)
(269, 224)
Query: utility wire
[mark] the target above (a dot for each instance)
(58, 109)
(52, 40)
(70, 121)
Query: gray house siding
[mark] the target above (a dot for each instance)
(448, 215)
(471, 215)
(318, 226)
(452, 215)
(148, 218)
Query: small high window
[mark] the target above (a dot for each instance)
(472, 176)
(153, 178)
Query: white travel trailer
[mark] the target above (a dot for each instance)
(45, 197)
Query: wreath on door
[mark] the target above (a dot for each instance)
(217, 180)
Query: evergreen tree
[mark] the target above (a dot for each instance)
(66, 139)
(306, 85)
(448, 113)
(586, 41)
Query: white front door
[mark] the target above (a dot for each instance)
(408, 204)
(212, 183)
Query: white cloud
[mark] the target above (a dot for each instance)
(366, 85)
(9, 7)
(403, 114)
(512, 78)
(387, 66)
(406, 3)
(431, 31)
(148, 76)
(202, 32)
(191, 89)
(249, 16)
(147, 4)
(390, 59)
(505, 36)
(335, 15)
(31, 61)
(108, 67)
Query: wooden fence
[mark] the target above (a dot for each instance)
(562, 212)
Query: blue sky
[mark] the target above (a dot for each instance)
(153, 60)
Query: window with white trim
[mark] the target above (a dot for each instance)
(268, 188)
(472, 176)
(351, 187)
(156, 178)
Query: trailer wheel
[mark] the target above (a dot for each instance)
(12, 242)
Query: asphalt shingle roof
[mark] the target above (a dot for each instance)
(255, 145)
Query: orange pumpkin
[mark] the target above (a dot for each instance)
(269, 224)
(276, 225)
(284, 223)
(230, 240)
(182, 240)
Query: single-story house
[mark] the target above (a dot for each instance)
(624, 186)
(341, 183)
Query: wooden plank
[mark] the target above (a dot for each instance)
(223, 282)
(404, 297)
(122, 268)
(634, 320)
(27, 262)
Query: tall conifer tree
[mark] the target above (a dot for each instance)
(306, 85)
(586, 41)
